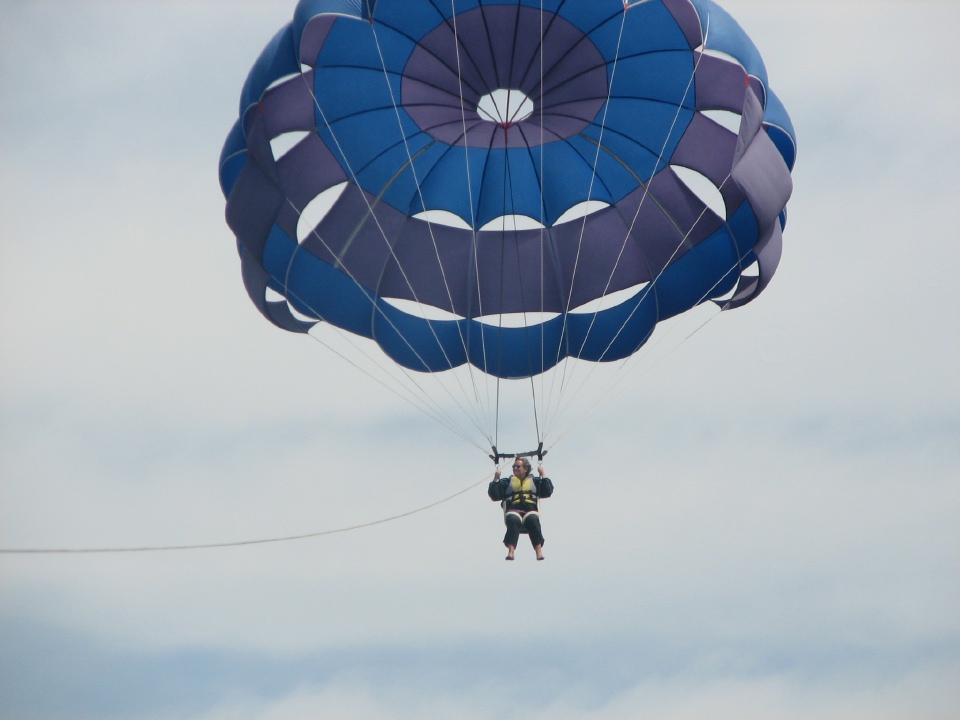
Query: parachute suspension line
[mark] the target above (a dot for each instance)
(685, 233)
(531, 347)
(646, 193)
(473, 219)
(683, 239)
(383, 368)
(433, 240)
(536, 418)
(596, 161)
(237, 543)
(435, 412)
(415, 400)
(562, 379)
(649, 350)
(543, 240)
(502, 291)
(547, 387)
(631, 359)
(508, 183)
(508, 194)
(622, 375)
(662, 337)
(467, 411)
(372, 215)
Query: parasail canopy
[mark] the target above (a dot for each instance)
(506, 184)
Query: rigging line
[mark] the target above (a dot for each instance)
(441, 415)
(705, 296)
(377, 309)
(493, 55)
(596, 157)
(663, 147)
(478, 409)
(473, 218)
(539, 403)
(647, 350)
(436, 413)
(553, 398)
(419, 398)
(555, 14)
(416, 181)
(544, 235)
(478, 380)
(543, 231)
(619, 380)
(494, 379)
(643, 197)
(622, 374)
(643, 295)
(646, 193)
(503, 267)
(606, 109)
(413, 40)
(239, 543)
(653, 282)
(371, 214)
(508, 183)
(383, 234)
(583, 39)
(645, 291)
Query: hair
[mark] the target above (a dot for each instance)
(525, 462)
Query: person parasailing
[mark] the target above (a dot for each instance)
(519, 496)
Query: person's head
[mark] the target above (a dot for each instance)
(521, 467)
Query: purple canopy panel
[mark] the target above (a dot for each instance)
(615, 262)
(309, 171)
(447, 76)
(721, 84)
(430, 265)
(289, 106)
(707, 148)
(687, 19)
(760, 171)
(314, 35)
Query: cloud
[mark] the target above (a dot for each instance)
(620, 677)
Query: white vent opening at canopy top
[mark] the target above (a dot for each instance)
(505, 107)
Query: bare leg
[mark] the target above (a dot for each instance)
(539, 550)
(511, 549)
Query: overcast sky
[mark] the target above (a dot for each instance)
(765, 524)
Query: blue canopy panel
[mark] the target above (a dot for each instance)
(232, 158)
(780, 128)
(277, 60)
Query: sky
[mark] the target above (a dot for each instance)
(763, 524)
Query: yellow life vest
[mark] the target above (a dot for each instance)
(521, 494)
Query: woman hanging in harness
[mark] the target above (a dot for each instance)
(519, 495)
